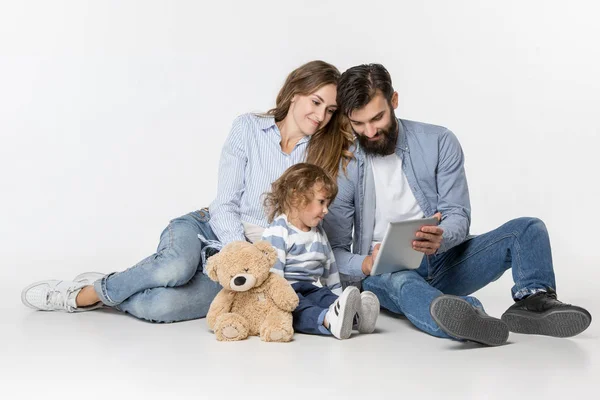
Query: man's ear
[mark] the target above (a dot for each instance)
(211, 267)
(395, 100)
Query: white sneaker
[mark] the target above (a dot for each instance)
(341, 313)
(89, 277)
(54, 295)
(368, 312)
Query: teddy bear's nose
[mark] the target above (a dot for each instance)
(239, 280)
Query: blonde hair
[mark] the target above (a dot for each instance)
(295, 189)
(330, 145)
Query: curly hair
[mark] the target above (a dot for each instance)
(296, 188)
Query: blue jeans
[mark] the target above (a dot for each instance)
(312, 307)
(169, 285)
(521, 244)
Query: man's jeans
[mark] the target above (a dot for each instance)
(169, 285)
(522, 244)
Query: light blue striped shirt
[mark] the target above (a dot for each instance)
(251, 160)
(303, 256)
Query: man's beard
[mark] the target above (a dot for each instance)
(386, 144)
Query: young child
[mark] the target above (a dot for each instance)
(296, 206)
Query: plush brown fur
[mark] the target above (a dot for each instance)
(265, 306)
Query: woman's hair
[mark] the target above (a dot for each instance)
(295, 189)
(330, 145)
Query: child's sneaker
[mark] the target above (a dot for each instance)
(367, 312)
(341, 313)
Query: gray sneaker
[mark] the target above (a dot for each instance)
(367, 313)
(459, 319)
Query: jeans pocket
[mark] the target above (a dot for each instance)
(201, 215)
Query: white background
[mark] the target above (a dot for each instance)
(113, 113)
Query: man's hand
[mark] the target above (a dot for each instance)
(430, 238)
(367, 264)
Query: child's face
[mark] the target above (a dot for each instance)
(313, 213)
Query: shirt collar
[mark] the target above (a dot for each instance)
(267, 122)
(401, 143)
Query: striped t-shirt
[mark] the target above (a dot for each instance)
(303, 256)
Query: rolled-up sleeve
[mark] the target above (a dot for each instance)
(225, 218)
(453, 192)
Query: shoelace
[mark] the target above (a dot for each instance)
(55, 299)
(58, 299)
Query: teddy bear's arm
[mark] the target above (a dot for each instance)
(221, 304)
(282, 293)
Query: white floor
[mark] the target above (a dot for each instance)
(106, 355)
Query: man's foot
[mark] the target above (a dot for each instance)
(543, 314)
(341, 313)
(367, 313)
(54, 295)
(459, 319)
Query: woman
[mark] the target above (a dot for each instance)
(170, 285)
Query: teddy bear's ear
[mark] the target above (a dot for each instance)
(267, 249)
(211, 267)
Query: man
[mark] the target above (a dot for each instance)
(405, 170)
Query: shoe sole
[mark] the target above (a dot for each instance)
(557, 323)
(351, 304)
(367, 325)
(459, 319)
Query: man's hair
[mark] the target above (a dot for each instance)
(358, 85)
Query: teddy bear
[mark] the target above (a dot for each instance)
(253, 301)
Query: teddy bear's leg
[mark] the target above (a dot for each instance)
(230, 327)
(277, 327)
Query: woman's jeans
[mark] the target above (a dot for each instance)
(521, 244)
(169, 285)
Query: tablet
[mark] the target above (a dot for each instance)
(396, 252)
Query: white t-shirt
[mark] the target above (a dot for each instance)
(394, 200)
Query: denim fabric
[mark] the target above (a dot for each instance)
(314, 304)
(432, 161)
(522, 244)
(169, 285)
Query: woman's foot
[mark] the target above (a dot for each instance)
(55, 295)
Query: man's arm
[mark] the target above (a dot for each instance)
(331, 276)
(453, 193)
(338, 225)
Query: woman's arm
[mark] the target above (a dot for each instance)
(225, 218)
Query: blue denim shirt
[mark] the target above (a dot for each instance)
(433, 162)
